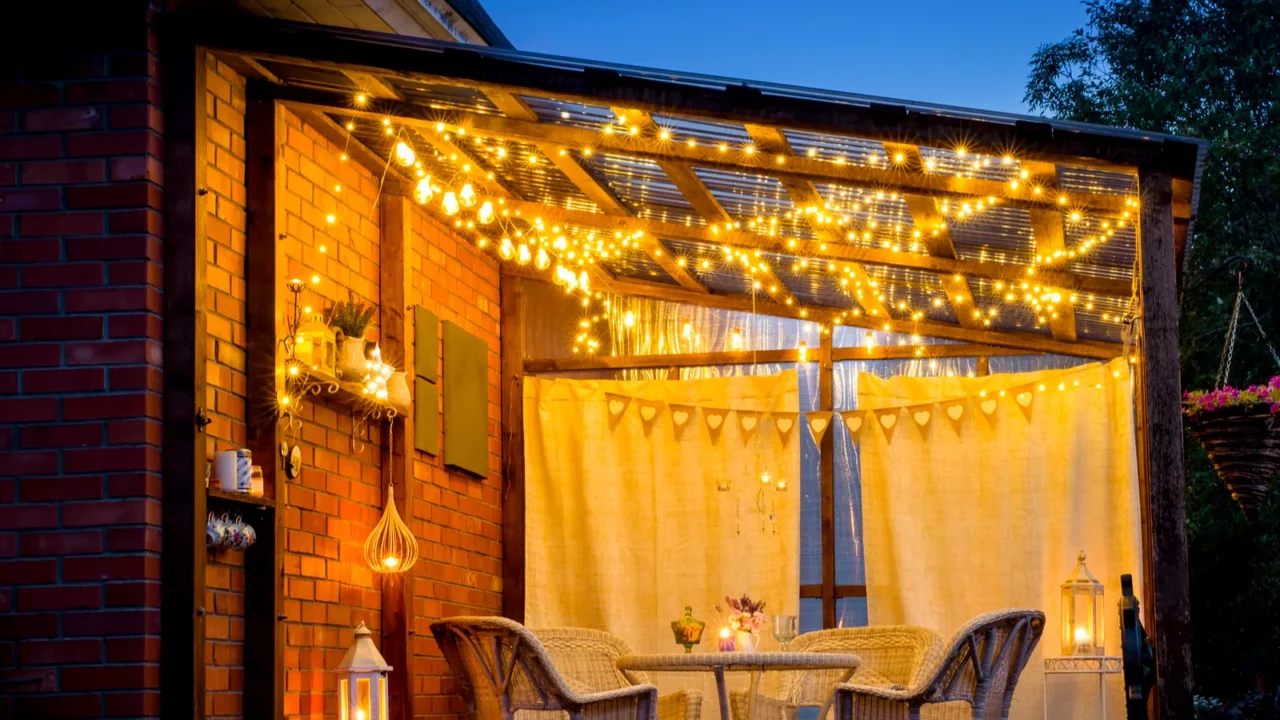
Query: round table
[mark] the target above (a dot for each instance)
(754, 663)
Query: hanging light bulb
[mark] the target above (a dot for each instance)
(584, 282)
(561, 275)
(422, 192)
(467, 196)
(765, 478)
(450, 203)
(506, 249)
(542, 260)
(629, 319)
(405, 155)
(485, 214)
(523, 256)
(687, 331)
(803, 351)
(735, 340)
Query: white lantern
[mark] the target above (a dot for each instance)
(1082, 613)
(316, 347)
(362, 689)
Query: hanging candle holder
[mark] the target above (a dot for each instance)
(391, 546)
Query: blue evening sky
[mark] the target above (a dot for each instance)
(972, 54)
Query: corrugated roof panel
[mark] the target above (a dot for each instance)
(943, 161)
(637, 265)
(705, 132)
(642, 185)
(875, 218)
(747, 197)
(307, 75)
(711, 268)
(1010, 314)
(444, 98)
(561, 112)
(907, 291)
(1098, 181)
(837, 148)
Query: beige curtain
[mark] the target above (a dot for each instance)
(624, 524)
(992, 515)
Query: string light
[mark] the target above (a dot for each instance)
(405, 155)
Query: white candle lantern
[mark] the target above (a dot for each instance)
(362, 689)
(316, 347)
(1082, 613)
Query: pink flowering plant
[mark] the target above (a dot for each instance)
(746, 615)
(1195, 403)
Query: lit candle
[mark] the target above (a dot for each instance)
(1083, 642)
(726, 641)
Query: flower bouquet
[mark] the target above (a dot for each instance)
(1238, 429)
(746, 619)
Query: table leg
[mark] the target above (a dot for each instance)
(1102, 693)
(751, 698)
(724, 694)
(832, 698)
(1044, 684)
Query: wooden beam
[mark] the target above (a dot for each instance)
(814, 592)
(512, 332)
(746, 357)
(372, 85)
(596, 191)
(805, 193)
(827, 482)
(1046, 225)
(182, 561)
(1160, 399)
(1033, 342)
(839, 253)
(418, 61)
(265, 268)
(932, 226)
(394, 332)
(938, 184)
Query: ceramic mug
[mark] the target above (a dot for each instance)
(235, 533)
(249, 536)
(215, 532)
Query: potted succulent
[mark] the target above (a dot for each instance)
(1239, 430)
(350, 319)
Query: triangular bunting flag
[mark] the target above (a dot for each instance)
(649, 410)
(853, 420)
(750, 423)
(888, 421)
(1024, 398)
(988, 405)
(784, 423)
(617, 406)
(819, 422)
(681, 417)
(714, 417)
(922, 415)
(955, 412)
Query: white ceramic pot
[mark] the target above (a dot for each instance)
(398, 395)
(747, 641)
(351, 359)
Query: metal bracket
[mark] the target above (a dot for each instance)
(202, 420)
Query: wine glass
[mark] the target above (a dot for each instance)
(784, 629)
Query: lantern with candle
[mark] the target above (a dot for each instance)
(362, 689)
(1082, 613)
(316, 347)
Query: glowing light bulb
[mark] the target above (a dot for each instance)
(450, 203)
(629, 319)
(584, 282)
(506, 249)
(405, 155)
(523, 255)
(485, 215)
(391, 561)
(542, 260)
(765, 478)
(735, 340)
(803, 351)
(422, 192)
(467, 196)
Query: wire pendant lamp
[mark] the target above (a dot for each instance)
(390, 547)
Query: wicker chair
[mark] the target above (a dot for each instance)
(588, 660)
(976, 677)
(502, 668)
(891, 655)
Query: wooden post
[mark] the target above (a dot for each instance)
(395, 342)
(513, 352)
(1161, 410)
(827, 483)
(182, 685)
(264, 283)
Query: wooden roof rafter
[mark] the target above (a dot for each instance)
(596, 191)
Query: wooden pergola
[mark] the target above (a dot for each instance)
(1001, 234)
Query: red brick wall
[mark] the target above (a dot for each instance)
(225, 371)
(337, 499)
(457, 518)
(80, 377)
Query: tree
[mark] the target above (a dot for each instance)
(1210, 69)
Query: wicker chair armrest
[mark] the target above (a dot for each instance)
(680, 705)
(633, 691)
(894, 692)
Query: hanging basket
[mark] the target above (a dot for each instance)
(1243, 442)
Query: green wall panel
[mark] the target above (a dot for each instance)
(426, 344)
(466, 401)
(426, 418)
